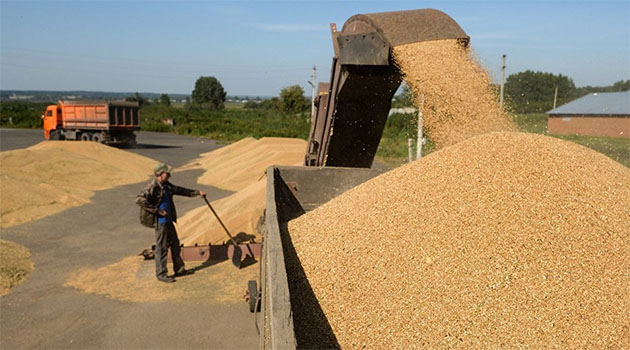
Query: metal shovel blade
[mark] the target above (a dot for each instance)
(237, 254)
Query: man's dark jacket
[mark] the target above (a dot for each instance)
(151, 196)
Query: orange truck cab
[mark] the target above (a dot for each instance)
(98, 121)
(51, 121)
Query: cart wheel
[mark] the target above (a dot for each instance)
(253, 295)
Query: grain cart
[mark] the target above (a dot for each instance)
(346, 129)
(99, 121)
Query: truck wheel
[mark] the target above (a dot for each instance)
(97, 138)
(55, 136)
(253, 295)
(85, 136)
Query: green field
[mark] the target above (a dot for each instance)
(231, 124)
(235, 122)
(614, 147)
(393, 149)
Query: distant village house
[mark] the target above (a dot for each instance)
(596, 114)
(19, 97)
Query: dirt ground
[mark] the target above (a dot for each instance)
(46, 312)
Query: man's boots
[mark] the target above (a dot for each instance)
(166, 279)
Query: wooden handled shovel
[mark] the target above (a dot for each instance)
(238, 253)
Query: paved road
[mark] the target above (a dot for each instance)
(43, 314)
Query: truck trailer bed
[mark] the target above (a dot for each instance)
(286, 295)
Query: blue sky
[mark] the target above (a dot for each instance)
(258, 47)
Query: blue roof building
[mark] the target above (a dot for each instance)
(596, 114)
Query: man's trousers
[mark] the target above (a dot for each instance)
(165, 237)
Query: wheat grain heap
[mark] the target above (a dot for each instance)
(452, 90)
(504, 240)
(238, 167)
(242, 163)
(49, 177)
(239, 212)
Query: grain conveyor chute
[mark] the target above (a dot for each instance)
(351, 110)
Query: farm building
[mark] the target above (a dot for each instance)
(596, 114)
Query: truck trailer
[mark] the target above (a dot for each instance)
(111, 122)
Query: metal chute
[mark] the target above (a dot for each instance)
(352, 109)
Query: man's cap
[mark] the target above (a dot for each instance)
(162, 168)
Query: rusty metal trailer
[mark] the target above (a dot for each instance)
(291, 192)
(347, 125)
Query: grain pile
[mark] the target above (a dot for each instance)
(49, 177)
(503, 240)
(239, 167)
(133, 279)
(15, 265)
(239, 212)
(458, 101)
(242, 163)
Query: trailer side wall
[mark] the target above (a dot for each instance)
(100, 117)
(291, 310)
(85, 116)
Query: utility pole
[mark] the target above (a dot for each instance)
(313, 83)
(420, 139)
(502, 81)
(555, 98)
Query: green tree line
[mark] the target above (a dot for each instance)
(21, 114)
(206, 115)
(534, 92)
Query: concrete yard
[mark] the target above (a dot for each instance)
(42, 313)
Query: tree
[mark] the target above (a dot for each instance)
(251, 105)
(142, 101)
(273, 103)
(293, 100)
(165, 100)
(621, 85)
(209, 93)
(533, 92)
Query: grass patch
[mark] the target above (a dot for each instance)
(616, 148)
(393, 150)
(230, 124)
(534, 122)
(234, 105)
(15, 265)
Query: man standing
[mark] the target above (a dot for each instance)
(158, 211)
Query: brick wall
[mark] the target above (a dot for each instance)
(589, 125)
